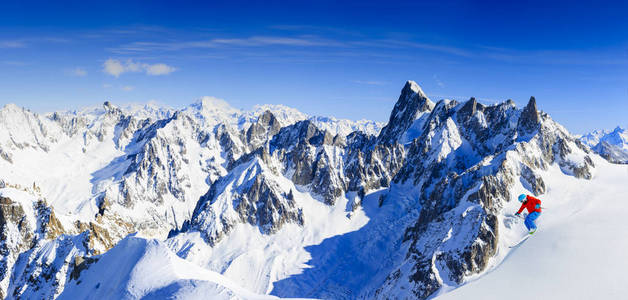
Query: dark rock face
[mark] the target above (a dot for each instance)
(265, 206)
(529, 119)
(308, 151)
(532, 181)
(301, 133)
(12, 217)
(81, 264)
(332, 168)
(36, 274)
(256, 199)
(6, 156)
(560, 150)
(18, 234)
(261, 131)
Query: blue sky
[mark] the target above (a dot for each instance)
(347, 60)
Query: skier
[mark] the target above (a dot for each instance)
(534, 210)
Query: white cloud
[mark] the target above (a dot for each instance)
(106, 85)
(132, 66)
(128, 88)
(79, 72)
(116, 67)
(159, 69)
(113, 67)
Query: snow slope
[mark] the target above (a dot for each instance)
(579, 251)
(255, 260)
(139, 268)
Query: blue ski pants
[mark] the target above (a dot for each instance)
(530, 220)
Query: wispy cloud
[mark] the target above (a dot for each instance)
(115, 67)
(25, 42)
(14, 63)
(335, 42)
(80, 72)
(254, 41)
(12, 44)
(314, 28)
(369, 82)
(128, 88)
(438, 81)
(551, 57)
(394, 43)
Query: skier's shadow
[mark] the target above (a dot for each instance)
(348, 265)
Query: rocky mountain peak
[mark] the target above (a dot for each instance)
(470, 107)
(414, 87)
(302, 132)
(268, 119)
(10, 107)
(529, 119)
(265, 127)
(411, 103)
(107, 105)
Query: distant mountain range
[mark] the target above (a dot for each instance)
(612, 145)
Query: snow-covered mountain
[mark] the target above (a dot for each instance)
(246, 204)
(112, 171)
(612, 145)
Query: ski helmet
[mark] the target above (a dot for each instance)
(522, 197)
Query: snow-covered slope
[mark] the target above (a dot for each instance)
(579, 251)
(138, 268)
(612, 145)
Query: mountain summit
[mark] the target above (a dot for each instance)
(411, 104)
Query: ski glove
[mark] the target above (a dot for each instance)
(517, 214)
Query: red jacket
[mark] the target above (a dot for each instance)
(531, 203)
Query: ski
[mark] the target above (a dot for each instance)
(521, 241)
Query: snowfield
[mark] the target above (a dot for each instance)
(579, 251)
(138, 268)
